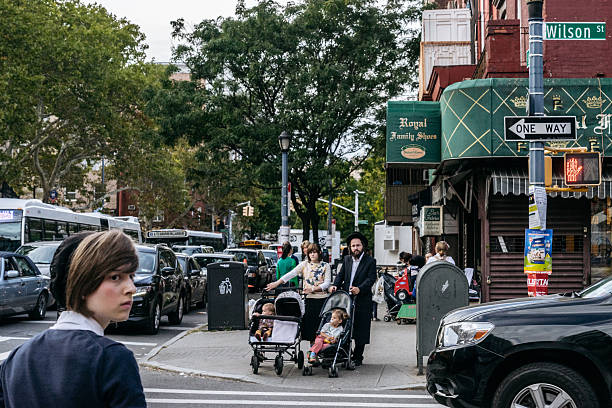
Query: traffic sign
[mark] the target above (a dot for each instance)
(574, 31)
(582, 169)
(539, 128)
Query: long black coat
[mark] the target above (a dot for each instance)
(364, 279)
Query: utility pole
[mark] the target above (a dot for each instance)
(330, 238)
(357, 192)
(536, 92)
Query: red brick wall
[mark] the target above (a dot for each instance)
(502, 47)
(578, 59)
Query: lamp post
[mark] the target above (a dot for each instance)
(357, 192)
(284, 140)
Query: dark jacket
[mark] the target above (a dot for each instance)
(364, 279)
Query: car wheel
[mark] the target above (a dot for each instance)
(539, 384)
(154, 319)
(188, 303)
(176, 317)
(402, 295)
(40, 309)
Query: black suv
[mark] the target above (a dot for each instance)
(160, 288)
(258, 271)
(531, 352)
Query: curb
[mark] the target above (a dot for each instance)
(173, 340)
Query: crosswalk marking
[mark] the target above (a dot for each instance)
(282, 394)
(13, 338)
(295, 403)
(135, 343)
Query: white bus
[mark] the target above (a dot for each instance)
(173, 237)
(23, 221)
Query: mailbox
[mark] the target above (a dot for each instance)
(442, 287)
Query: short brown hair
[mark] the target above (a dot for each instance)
(340, 313)
(95, 257)
(314, 247)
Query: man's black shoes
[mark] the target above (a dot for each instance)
(357, 363)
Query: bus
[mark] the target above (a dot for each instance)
(23, 221)
(173, 237)
(254, 244)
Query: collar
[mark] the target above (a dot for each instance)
(357, 260)
(70, 320)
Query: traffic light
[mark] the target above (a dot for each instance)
(245, 211)
(582, 169)
(251, 211)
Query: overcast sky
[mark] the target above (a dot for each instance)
(154, 17)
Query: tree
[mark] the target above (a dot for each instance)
(71, 77)
(321, 70)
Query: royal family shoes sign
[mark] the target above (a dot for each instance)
(413, 132)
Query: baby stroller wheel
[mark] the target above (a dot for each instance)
(255, 364)
(387, 318)
(333, 372)
(307, 370)
(300, 360)
(278, 365)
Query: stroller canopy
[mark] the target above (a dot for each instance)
(289, 304)
(337, 300)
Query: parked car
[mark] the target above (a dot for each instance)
(41, 253)
(192, 249)
(195, 282)
(527, 352)
(258, 272)
(23, 289)
(272, 257)
(160, 288)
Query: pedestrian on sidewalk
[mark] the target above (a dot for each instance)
(286, 263)
(441, 249)
(72, 364)
(304, 248)
(416, 263)
(357, 275)
(316, 279)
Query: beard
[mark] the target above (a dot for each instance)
(357, 253)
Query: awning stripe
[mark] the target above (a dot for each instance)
(516, 182)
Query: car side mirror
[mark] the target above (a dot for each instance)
(194, 272)
(167, 271)
(11, 274)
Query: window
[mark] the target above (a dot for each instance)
(24, 268)
(50, 228)
(34, 229)
(404, 176)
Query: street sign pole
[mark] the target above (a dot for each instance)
(536, 90)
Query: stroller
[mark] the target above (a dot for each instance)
(392, 298)
(285, 338)
(338, 353)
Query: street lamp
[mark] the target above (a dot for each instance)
(357, 192)
(284, 140)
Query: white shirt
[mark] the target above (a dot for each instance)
(70, 320)
(437, 257)
(355, 266)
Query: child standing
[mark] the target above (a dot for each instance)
(329, 334)
(265, 325)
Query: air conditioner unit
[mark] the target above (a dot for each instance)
(131, 207)
(390, 244)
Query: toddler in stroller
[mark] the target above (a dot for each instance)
(285, 338)
(265, 325)
(330, 333)
(339, 352)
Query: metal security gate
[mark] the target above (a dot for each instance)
(508, 217)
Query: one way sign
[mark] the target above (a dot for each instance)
(539, 128)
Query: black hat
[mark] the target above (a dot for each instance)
(60, 265)
(358, 235)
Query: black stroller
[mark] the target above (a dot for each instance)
(392, 301)
(338, 353)
(285, 338)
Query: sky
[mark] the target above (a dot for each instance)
(154, 17)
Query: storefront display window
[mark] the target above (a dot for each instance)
(601, 239)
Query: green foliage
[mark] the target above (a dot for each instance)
(71, 78)
(321, 70)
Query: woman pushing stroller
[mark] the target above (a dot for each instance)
(316, 277)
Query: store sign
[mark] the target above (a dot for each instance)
(431, 220)
(413, 132)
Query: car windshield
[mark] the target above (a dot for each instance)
(272, 255)
(183, 262)
(251, 257)
(205, 260)
(601, 288)
(38, 254)
(187, 250)
(146, 263)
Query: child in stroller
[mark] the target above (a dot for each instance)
(330, 333)
(285, 337)
(265, 325)
(338, 353)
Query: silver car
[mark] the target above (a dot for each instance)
(23, 289)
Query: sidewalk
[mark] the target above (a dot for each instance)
(389, 360)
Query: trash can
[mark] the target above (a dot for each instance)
(227, 296)
(442, 287)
